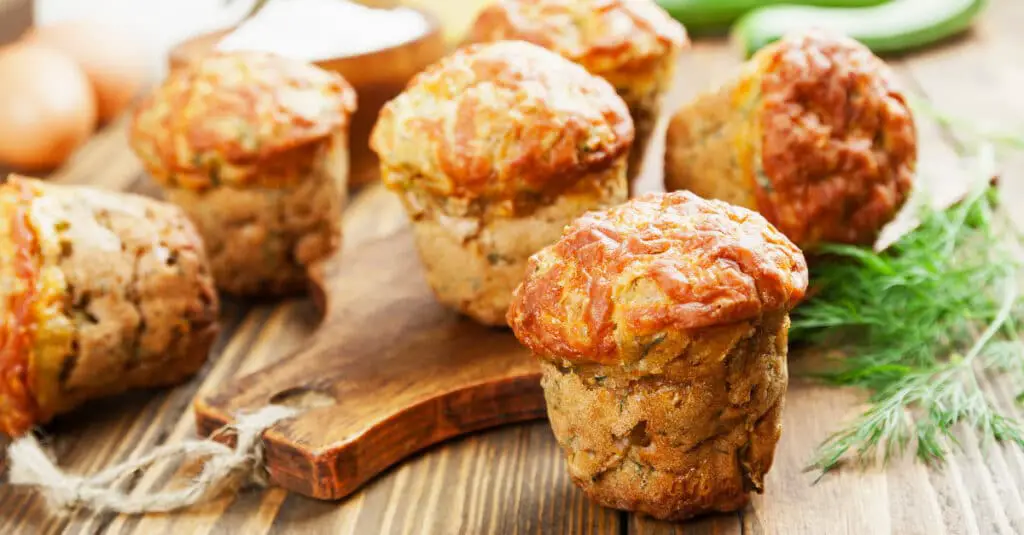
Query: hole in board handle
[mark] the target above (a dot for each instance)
(302, 397)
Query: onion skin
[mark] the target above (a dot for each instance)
(113, 59)
(47, 107)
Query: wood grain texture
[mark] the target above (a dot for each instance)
(389, 372)
(512, 479)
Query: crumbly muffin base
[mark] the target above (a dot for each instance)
(139, 308)
(696, 438)
(713, 144)
(474, 262)
(262, 240)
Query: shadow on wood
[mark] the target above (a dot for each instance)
(389, 372)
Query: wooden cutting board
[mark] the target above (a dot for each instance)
(388, 373)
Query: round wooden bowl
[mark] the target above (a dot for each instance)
(377, 77)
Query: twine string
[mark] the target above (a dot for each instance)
(224, 468)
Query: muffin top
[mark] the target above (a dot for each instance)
(660, 263)
(604, 36)
(839, 146)
(225, 116)
(500, 121)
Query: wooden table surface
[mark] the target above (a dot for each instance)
(512, 479)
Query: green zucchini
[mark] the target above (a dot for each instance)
(710, 16)
(897, 26)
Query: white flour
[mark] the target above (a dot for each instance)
(320, 29)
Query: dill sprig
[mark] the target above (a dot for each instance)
(917, 324)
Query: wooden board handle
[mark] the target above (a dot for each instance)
(389, 373)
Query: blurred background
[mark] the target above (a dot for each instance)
(124, 46)
(165, 23)
(68, 68)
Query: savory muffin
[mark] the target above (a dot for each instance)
(634, 44)
(661, 326)
(102, 292)
(812, 132)
(255, 148)
(493, 150)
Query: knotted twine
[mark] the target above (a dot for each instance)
(224, 467)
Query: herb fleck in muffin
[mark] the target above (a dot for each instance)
(634, 44)
(102, 292)
(493, 151)
(813, 133)
(255, 148)
(661, 326)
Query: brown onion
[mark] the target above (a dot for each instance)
(47, 107)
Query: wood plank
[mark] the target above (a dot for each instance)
(938, 500)
(390, 371)
(981, 79)
(506, 481)
(978, 79)
(793, 502)
(285, 324)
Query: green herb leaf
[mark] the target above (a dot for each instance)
(917, 324)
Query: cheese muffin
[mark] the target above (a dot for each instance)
(661, 326)
(493, 150)
(255, 148)
(634, 44)
(813, 133)
(102, 292)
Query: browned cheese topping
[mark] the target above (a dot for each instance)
(500, 121)
(605, 36)
(838, 141)
(662, 262)
(233, 118)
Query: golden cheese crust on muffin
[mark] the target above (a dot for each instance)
(814, 134)
(499, 122)
(233, 118)
(633, 44)
(493, 150)
(101, 292)
(844, 175)
(254, 148)
(605, 36)
(620, 278)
